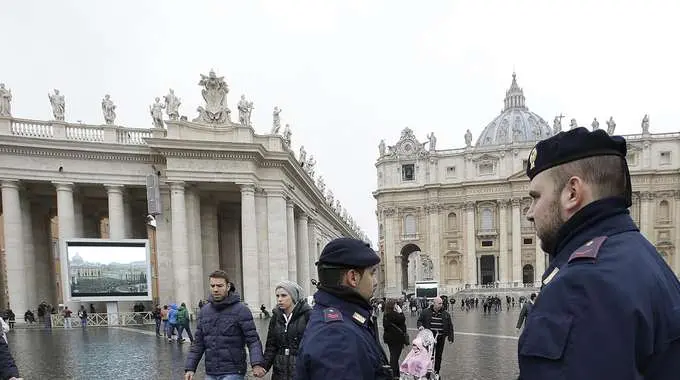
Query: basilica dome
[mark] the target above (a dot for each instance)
(515, 124)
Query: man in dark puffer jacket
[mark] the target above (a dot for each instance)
(225, 326)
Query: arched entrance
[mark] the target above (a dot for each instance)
(528, 274)
(409, 266)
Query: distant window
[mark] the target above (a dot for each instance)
(451, 171)
(409, 225)
(528, 241)
(665, 158)
(453, 221)
(487, 243)
(664, 211)
(486, 168)
(487, 219)
(524, 164)
(408, 172)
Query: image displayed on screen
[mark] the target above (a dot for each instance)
(103, 270)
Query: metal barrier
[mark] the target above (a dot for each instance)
(108, 319)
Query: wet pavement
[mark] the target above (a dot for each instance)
(485, 348)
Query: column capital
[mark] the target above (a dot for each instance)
(676, 194)
(275, 192)
(10, 184)
(302, 216)
(502, 203)
(112, 188)
(647, 195)
(433, 208)
(470, 206)
(63, 186)
(247, 188)
(516, 202)
(178, 185)
(389, 211)
(289, 202)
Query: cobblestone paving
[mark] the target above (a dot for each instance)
(485, 348)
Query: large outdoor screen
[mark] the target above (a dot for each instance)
(108, 270)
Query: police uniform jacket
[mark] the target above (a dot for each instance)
(340, 343)
(609, 307)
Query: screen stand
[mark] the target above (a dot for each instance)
(112, 312)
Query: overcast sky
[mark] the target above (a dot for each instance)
(348, 73)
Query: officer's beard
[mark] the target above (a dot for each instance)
(549, 232)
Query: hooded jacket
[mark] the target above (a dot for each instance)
(224, 329)
(172, 314)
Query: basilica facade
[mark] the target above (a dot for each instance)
(209, 194)
(457, 216)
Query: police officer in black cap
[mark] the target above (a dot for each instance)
(609, 307)
(341, 341)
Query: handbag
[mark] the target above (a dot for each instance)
(407, 338)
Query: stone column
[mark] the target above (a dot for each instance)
(677, 232)
(277, 236)
(14, 248)
(471, 244)
(645, 215)
(164, 248)
(249, 255)
(180, 246)
(392, 273)
(503, 241)
(209, 243)
(540, 261)
(290, 232)
(116, 212)
(195, 247)
(313, 253)
(434, 238)
(30, 261)
(302, 251)
(43, 263)
(66, 227)
(516, 242)
(262, 247)
(79, 218)
(128, 222)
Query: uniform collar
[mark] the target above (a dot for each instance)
(604, 217)
(359, 314)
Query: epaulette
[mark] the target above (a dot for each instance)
(331, 314)
(588, 250)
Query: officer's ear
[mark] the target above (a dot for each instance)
(353, 277)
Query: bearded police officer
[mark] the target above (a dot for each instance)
(341, 341)
(609, 307)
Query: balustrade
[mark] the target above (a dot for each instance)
(31, 128)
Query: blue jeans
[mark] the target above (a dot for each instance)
(225, 377)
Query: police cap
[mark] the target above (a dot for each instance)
(348, 253)
(576, 144)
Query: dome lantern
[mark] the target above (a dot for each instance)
(516, 124)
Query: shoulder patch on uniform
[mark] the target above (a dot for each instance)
(588, 250)
(359, 318)
(331, 315)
